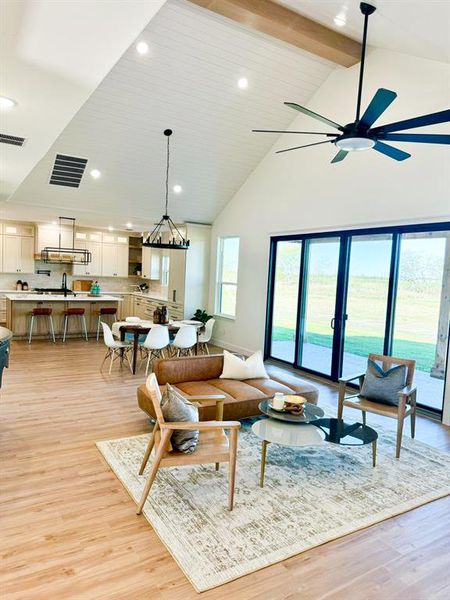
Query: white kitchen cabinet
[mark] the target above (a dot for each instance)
(18, 254)
(47, 236)
(94, 268)
(177, 274)
(114, 260)
(151, 263)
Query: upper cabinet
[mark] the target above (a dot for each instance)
(48, 236)
(114, 260)
(17, 248)
(151, 263)
(109, 254)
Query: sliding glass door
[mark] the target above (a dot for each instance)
(367, 295)
(285, 300)
(336, 297)
(422, 311)
(318, 305)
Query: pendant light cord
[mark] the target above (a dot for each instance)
(167, 173)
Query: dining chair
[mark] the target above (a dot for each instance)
(205, 337)
(116, 349)
(406, 397)
(156, 341)
(213, 446)
(185, 340)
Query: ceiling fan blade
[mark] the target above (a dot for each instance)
(379, 103)
(340, 156)
(305, 146)
(390, 151)
(303, 132)
(424, 138)
(314, 115)
(440, 117)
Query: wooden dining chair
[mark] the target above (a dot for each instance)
(213, 445)
(406, 397)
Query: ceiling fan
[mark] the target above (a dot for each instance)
(359, 135)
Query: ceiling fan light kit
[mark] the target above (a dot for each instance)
(359, 135)
(166, 234)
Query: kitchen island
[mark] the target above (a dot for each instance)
(20, 306)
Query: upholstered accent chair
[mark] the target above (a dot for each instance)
(406, 406)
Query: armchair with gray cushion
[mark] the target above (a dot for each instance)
(400, 408)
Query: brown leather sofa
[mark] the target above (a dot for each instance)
(199, 376)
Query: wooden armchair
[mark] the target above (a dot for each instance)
(213, 445)
(407, 397)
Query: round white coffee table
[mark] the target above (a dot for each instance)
(285, 434)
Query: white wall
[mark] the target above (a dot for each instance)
(301, 191)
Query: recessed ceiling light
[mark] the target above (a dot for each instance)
(95, 173)
(53, 222)
(6, 102)
(110, 228)
(142, 47)
(340, 20)
(129, 225)
(177, 188)
(243, 83)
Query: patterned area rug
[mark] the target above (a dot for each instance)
(312, 495)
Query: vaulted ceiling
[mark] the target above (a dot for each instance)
(188, 82)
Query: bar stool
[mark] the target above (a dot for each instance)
(75, 312)
(110, 310)
(42, 312)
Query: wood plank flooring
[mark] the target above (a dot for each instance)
(69, 529)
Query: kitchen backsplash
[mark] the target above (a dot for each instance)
(110, 284)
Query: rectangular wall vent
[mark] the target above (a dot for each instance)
(14, 140)
(68, 170)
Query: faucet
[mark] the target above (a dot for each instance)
(64, 284)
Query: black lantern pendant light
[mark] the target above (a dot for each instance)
(166, 234)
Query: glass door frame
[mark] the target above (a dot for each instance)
(341, 290)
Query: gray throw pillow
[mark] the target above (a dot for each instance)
(383, 386)
(177, 408)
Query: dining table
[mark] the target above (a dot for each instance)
(141, 328)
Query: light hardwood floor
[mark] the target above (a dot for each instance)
(69, 529)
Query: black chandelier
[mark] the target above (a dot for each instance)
(166, 234)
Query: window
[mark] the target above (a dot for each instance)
(335, 297)
(227, 275)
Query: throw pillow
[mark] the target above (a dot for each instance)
(177, 408)
(383, 386)
(239, 368)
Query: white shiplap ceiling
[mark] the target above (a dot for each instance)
(188, 82)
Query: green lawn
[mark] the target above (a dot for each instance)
(416, 322)
(422, 352)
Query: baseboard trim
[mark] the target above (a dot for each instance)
(232, 347)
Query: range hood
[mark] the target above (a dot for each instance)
(60, 255)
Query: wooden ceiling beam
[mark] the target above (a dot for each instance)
(286, 25)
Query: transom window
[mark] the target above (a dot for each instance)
(227, 276)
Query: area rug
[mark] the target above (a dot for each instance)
(312, 495)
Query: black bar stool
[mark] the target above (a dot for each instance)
(75, 312)
(106, 310)
(42, 312)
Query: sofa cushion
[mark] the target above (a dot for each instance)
(235, 367)
(238, 390)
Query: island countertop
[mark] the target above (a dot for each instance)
(61, 298)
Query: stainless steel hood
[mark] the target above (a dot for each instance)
(61, 255)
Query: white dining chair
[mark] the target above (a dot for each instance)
(184, 341)
(115, 349)
(154, 344)
(206, 336)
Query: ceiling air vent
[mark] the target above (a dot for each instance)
(68, 170)
(14, 140)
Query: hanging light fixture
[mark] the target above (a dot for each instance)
(166, 234)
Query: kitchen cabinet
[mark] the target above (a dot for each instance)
(47, 236)
(94, 268)
(151, 263)
(18, 254)
(177, 274)
(114, 260)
